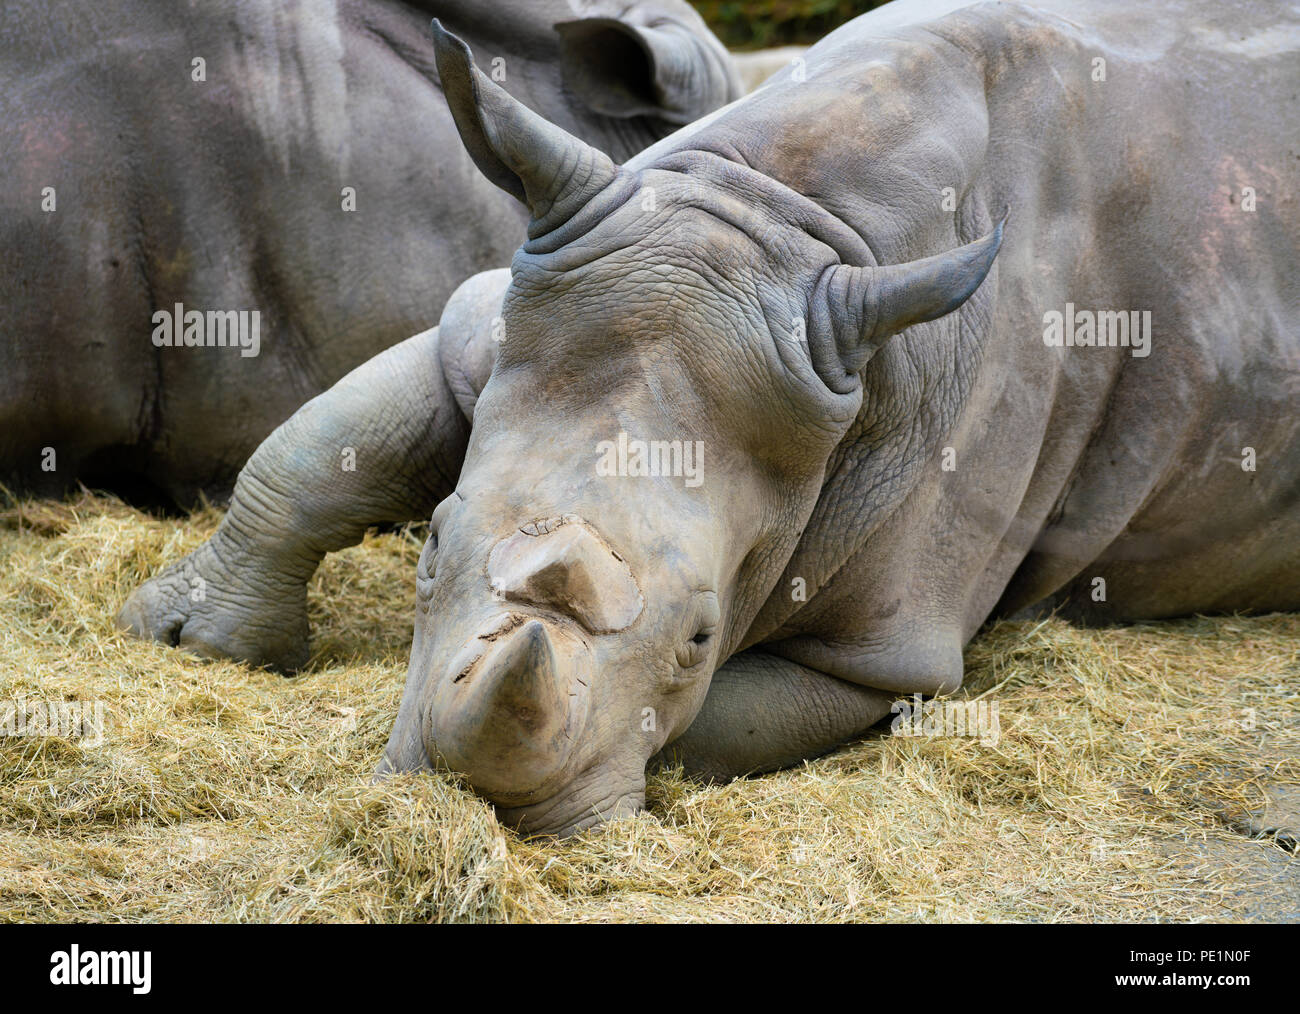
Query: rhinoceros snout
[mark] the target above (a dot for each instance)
(512, 707)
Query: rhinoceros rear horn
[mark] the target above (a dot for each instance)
(550, 170)
(868, 305)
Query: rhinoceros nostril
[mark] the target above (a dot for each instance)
(562, 564)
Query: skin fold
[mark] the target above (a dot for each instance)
(313, 175)
(819, 287)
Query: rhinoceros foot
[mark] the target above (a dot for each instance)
(200, 604)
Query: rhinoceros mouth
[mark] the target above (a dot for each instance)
(568, 812)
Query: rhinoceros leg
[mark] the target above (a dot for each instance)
(384, 444)
(764, 712)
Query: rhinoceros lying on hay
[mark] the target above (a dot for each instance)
(311, 175)
(876, 430)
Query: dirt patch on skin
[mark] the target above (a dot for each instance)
(221, 793)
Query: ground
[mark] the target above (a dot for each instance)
(1121, 787)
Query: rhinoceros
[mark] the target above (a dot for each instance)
(763, 424)
(213, 211)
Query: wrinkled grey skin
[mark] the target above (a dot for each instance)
(571, 625)
(227, 194)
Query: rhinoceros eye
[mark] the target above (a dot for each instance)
(705, 617)
(425, 568)
(696, 650)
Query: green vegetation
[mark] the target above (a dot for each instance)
(754, 24)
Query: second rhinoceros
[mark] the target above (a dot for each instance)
(213, 211)
(775, 415)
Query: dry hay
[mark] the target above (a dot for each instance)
(220, 793)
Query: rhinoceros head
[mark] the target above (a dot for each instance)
(673, 375)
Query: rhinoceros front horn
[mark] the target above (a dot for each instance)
(865, 306)
(550, 170)
(511, 720)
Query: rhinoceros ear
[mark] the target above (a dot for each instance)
(524, 154)
(647, 62)
(862, 307)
